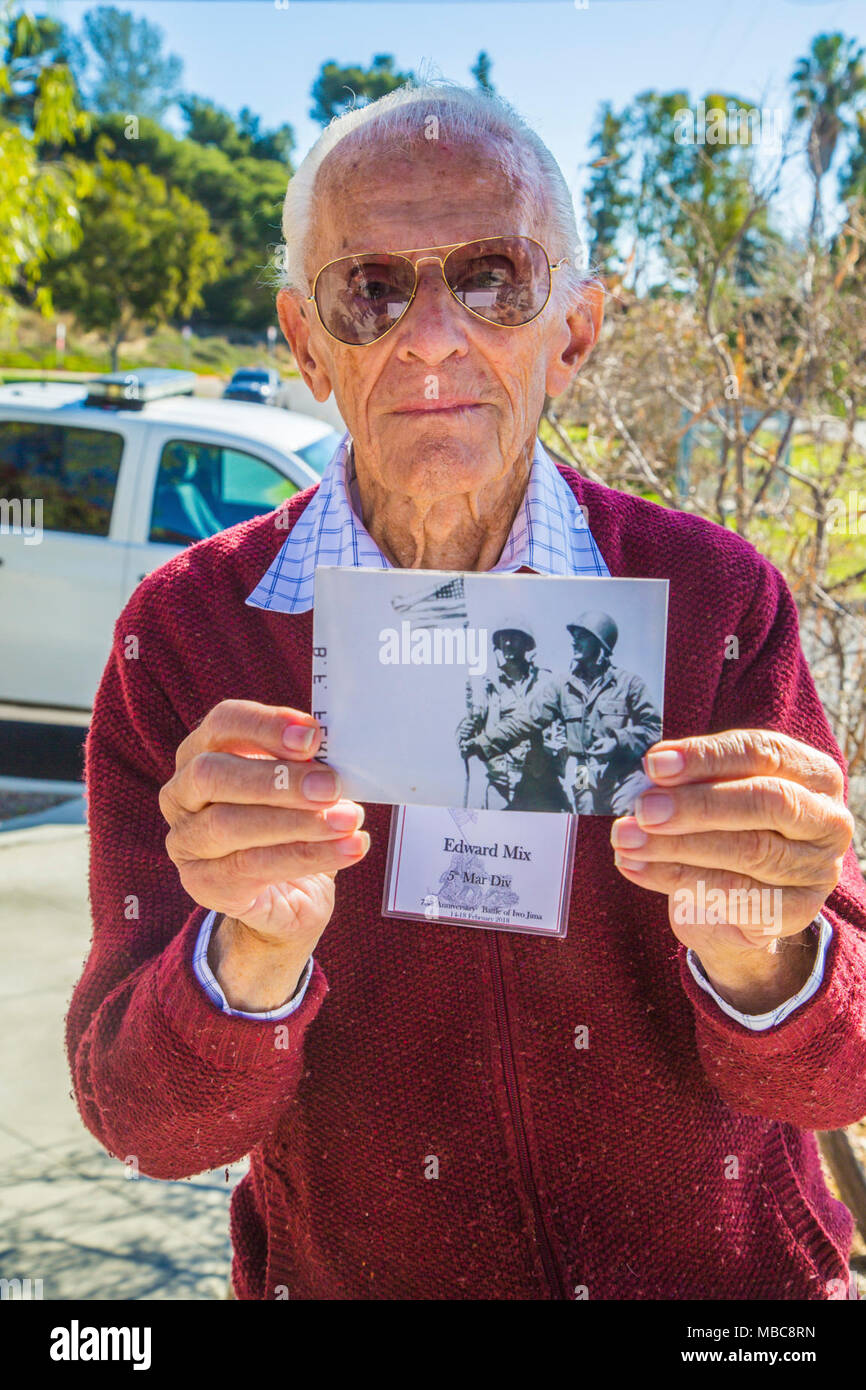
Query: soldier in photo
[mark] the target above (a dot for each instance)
(527, 775)
(609, 717)
(618, 720)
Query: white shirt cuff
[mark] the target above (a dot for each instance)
(758, 1023)
(212, 988)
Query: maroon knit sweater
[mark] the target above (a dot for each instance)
(608, 1169)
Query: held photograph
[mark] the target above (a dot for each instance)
(498, 692)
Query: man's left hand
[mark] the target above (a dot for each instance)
(603, 747)
(749, 809)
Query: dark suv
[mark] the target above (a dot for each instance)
(259, 384)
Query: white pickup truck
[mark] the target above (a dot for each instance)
(101, 482)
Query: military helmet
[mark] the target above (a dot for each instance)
(514, 623)
(599, 625)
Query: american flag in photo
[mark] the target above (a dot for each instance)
(446, 604)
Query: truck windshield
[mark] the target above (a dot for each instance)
(319, 454)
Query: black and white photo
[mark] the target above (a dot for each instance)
(498, 692)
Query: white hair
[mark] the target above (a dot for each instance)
(464, 114)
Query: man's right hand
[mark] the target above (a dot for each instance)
(466, 728)
(258, 833)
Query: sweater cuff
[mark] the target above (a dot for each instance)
(214, 991)
(228, 1042)
(821, 929)
(823, 1013)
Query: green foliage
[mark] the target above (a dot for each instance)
(337, 88)
(666, 201)
(607, 198)
(209, 124)
(242, 196)
(481, 72)
(38, 196)
(28, 351)
(828, 86)
(132, 74)
(147, 252)
(30, 48)
(232, 167)
(852, 177)
(275, 144)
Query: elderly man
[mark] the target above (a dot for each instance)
(624, 1113)
(608, 714)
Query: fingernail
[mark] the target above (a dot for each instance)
(321, 786)
(627, 835)
(654, 808)
(358, 843)
(667, 763)
(343, 816)
(299, 737)
(634, 866)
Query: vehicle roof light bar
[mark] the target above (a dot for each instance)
(133, 390)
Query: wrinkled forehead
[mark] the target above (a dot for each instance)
(383, 192)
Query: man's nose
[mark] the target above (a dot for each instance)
(432, 327)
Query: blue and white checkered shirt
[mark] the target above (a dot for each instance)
(550, 535)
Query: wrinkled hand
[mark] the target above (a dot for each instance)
(749, 810)
(250, 835)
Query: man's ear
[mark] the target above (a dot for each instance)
(296, 322)
(584, 319)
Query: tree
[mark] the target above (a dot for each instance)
(33, 46)
(607, 197)
(241, 194)
(481, 72)
(852, 178)
(656, 170)
(828, 86)
(337, 88)
(146, 253)
(38, 195)
(275, 144)
(209, 124)
(132, 72)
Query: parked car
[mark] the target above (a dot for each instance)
(258, 384)
(128, 469)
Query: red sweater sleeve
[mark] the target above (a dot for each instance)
(809, 1070)
(160, 1073)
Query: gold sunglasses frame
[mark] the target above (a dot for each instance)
(450, 247)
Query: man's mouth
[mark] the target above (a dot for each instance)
(441, 406)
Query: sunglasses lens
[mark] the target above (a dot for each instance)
(360, 297)
(505, 280)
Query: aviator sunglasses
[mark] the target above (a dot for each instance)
(504, 280)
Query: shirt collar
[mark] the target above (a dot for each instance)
(550, 535)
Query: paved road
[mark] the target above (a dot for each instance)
(53, 752)
(68, 1213)
(41, 764)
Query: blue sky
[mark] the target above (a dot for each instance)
(555, 62)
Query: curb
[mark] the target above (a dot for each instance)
(70, 814)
